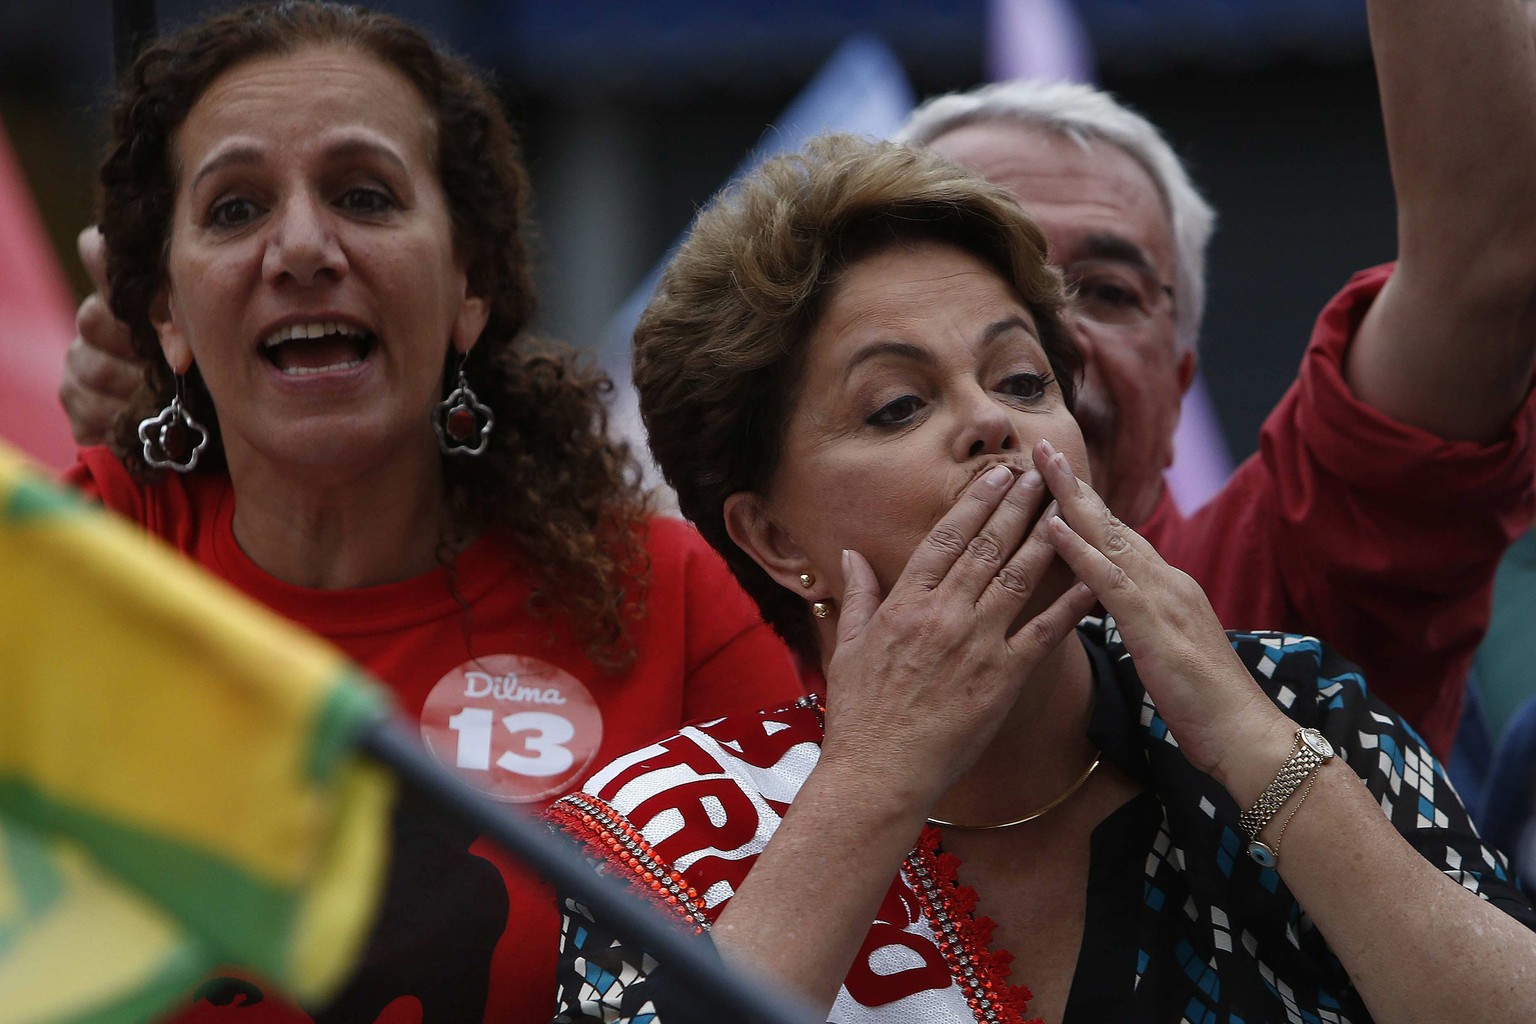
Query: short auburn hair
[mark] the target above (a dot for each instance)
(720, 350)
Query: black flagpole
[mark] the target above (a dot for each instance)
(694, 970)
(133, 27)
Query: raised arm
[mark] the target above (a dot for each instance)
(1450, 343)
(1415, 942)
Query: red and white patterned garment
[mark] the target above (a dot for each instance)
(688, 818)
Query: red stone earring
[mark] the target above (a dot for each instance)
(172, 438)
(462, 421)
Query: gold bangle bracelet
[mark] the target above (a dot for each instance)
(1274, 848)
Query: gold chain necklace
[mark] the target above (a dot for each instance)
(1028, 817)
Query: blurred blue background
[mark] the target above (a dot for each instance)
(634, 111)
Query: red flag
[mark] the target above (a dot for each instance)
(36, 324)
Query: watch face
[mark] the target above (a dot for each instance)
(1317, 742)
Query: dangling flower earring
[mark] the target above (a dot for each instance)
(168, 437)
(461, 418)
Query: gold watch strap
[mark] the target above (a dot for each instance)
(1309, 752)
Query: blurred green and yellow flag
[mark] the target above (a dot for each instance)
(179, 786)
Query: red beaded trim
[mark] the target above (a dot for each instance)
(963, 938)
(609, 835)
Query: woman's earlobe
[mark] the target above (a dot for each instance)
(474, 314)
(173, 343)
(749, 524)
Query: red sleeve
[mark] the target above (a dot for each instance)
(100, 477)
(1378, 537)
(169, 508)
(734, 661)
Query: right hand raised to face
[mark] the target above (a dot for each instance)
(101, 372)
(922, 677)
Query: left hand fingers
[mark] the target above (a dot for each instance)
(1120, 594)
(1183, 657)
(1087, 514)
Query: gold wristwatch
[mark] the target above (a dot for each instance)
(1311, 752)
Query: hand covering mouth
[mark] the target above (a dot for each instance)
(326, 346)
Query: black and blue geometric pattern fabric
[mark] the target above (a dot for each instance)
(595, 970)
(1219, 938)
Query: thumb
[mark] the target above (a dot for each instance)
(93, 256)
(861, 596)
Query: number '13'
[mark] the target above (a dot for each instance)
(546, 736)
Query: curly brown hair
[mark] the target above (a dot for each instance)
(720, 351)
(551, 478)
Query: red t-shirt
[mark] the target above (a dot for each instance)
(505, 698)
(1377, 537)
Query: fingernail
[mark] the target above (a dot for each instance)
(1030, 481)
(847, 563)
(1061, 461)
(997, 477)
(1052, 511)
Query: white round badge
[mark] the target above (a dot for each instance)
(516, 728)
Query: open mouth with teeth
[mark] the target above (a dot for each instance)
(326, 346)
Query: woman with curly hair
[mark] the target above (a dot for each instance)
(314, 221)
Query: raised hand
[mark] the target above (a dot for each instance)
(921, 679)
(101, 371)
(1211, 704)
